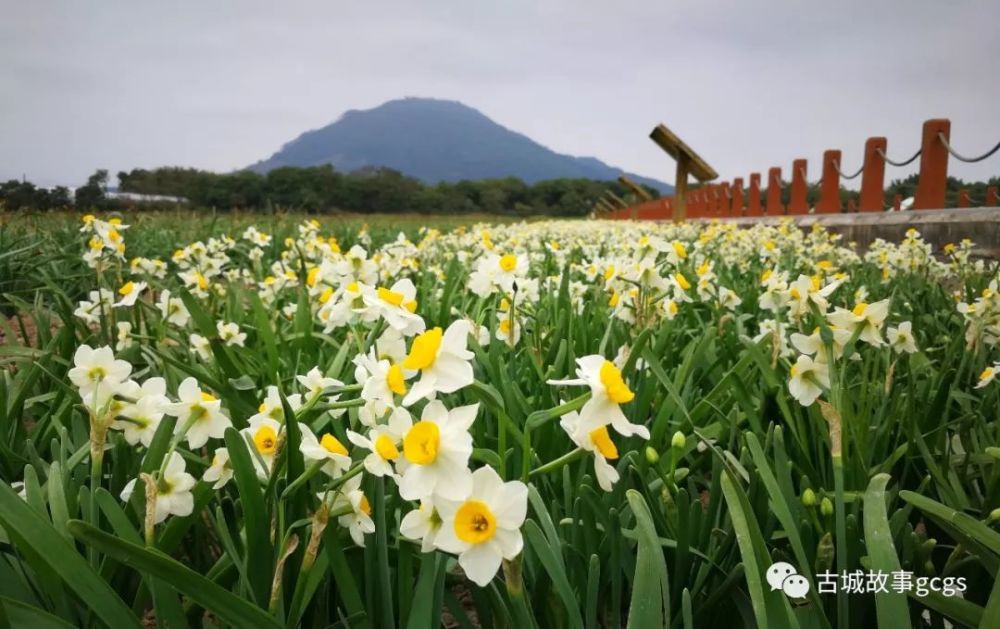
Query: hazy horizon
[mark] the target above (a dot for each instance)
(218, 87)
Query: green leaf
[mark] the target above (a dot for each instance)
(557, 571)
(260, 554)
(224, 604)
(650, 605)
(891, 607)
(30, 532)
(21, 614)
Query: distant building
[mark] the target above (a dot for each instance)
(143, 198)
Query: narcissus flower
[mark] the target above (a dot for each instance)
(220, 471)
(437, 451)
(608, 392)
(397, 305)
(315, 383)
(384, 441)
(868, 317)
(808, 380)
(443, 360)
(901, 339)
(358, 520)
(483, 528)
(326, 449)
(143, 410)
(129, 292)
(988, 375)
(423, 523)
(173, 490)
(230, 333)
(199, 414)
(594, 438)
(381, 381)
(97, 367)
(264, 436)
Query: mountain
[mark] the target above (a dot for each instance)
(436, 140)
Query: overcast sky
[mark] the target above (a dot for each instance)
(749, 85)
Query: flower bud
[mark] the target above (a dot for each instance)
(652, 456)
(826, 506)
(678, 441)
(994, 515)
(809, 498)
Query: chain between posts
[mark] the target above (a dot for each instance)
(963, 158)
(898, 164)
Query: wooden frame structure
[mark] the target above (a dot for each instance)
(688, 163)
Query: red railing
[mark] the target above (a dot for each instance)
(726, 199)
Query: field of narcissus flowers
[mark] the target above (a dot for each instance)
(549, 424)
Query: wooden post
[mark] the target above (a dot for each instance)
(897, 202)
(991, 197)
(680, 188)
(725, 207)
(797, 198)
(852, 207)
(933, 166)
(873, 178)
(963, 198)
(774, 207)
(753, 196)
(737, 205)
(829, 189)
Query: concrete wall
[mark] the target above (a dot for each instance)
(938, 227)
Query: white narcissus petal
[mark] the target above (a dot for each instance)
(480, 563)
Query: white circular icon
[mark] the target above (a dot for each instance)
(777, 574)
(795, 586)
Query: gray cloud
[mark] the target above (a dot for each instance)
(748, 85)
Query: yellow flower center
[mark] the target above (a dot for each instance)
(386, 448)
(424, 350)
(814, 283)
(680, 250)
(420, 446)
(618, 392)
(394, 378)
(672, 307)
(207, 397)
(364, 506)
(474, 522)
(96, 243)
(609, 272)
(390, 297)
(602, 441)
(97, 373)
(201, 281)
(987, 373)
(704, 268)
(766, 275)
(508, 262)
(312, 275)
(794, 371)
(325, 295)
(859, 309)
(353, 287)
(88, 219)
(615, 298)
(266, 440)
(126, 289)
(332, 444)
(411, 306)
(682, 281)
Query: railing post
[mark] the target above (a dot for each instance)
(897, 202)
(774, 207)
(797, 202)
(829, 189)
(991, 196)
(737, 205)
(933, 166)
(873, 178)
(725, 207)
(852, 207)
(963, 198)
(753, 196)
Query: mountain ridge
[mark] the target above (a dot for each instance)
(436, 140)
